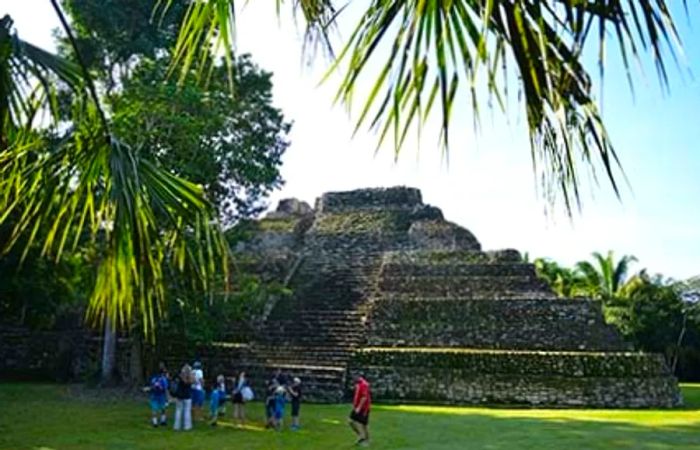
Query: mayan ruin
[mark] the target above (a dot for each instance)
(384, 284)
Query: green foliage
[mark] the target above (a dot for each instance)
(195, 318)
(605, 279)
(232, 146)
(564, 282)
(111, 35)
(42, 294)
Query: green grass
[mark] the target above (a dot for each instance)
(47, 417)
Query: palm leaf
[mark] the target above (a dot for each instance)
(28, 77)
(456, 45)
(144, 217)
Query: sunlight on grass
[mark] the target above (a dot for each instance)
(106, 423)
(246, 427)
(688, 416)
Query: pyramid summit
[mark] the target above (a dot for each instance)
(384, 285)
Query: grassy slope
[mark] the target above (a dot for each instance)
(45, 416)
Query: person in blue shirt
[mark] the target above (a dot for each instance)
(216, 401)
(158, 395)
(280, 401)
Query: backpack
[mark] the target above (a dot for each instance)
(174, 384)
(157, 385)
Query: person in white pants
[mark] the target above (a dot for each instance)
(183, 399)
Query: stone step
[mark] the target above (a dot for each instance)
(302, 353)
(458, 270)
(302, 340)
(317, 336)
(320, 383)
(514, 296)
(442, 286)
(314, 327)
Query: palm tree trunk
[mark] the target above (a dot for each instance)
(109, 353)
(674, 362)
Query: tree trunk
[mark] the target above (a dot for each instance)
(109, 354)
(679, 342)
(136, 374)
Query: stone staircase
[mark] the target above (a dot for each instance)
(314, 334)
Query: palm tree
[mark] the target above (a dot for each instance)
(438, 49)
(84, 181)
(564, 282)
(605, 278)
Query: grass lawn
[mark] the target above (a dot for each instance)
(36, 416)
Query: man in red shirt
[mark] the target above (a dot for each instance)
(361, 403)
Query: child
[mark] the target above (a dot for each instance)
(218, 396)
(280, 400)
(295, 394)
(271, 387)
(197, 390)
(157, 395)
(239, 399)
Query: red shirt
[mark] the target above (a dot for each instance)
(362, 391)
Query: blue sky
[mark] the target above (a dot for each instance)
(488, 185)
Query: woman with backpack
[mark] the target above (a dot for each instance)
(181, 389)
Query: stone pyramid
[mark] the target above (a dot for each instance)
(383, 284)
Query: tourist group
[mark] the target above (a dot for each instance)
(189, 391)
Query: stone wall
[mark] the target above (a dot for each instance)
(534, 324)
(60, 355)
(561, 379)
(381, 198)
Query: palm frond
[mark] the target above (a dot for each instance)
(591, 279)
(619, 275)
(142, 216)
(434, 54)
(28, 78)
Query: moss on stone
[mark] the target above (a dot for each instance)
(373, 221)
(517, 363)
(282, 225)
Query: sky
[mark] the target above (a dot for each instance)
(487, 183)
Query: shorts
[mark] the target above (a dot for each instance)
(158, 403)
(362, 418)
(295, 408)
(279, 411)
(237, 397)
(270, 408)
(197, 397)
